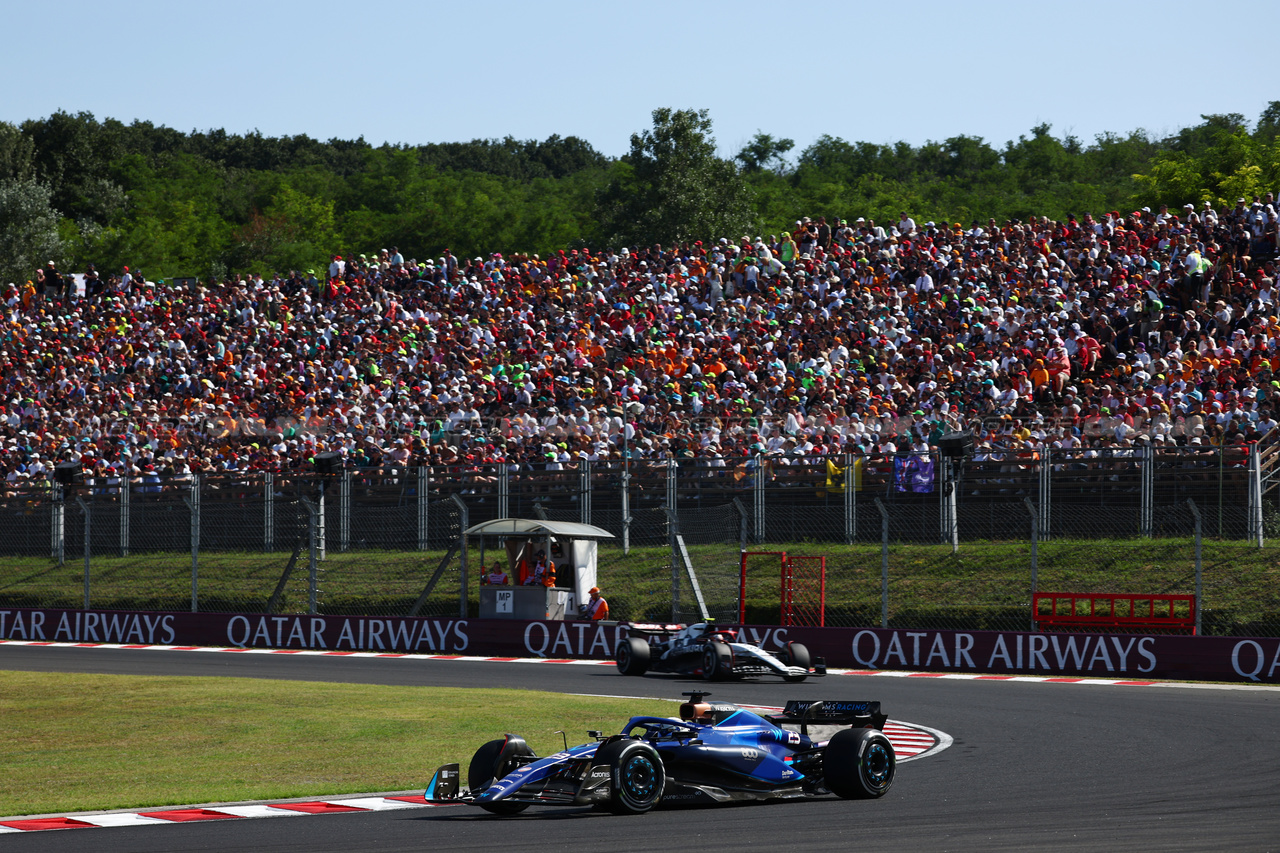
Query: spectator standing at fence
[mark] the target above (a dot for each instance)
(596, 607)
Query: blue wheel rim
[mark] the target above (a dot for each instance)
(639, 777)
(876, 765)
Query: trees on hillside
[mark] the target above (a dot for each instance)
(28, 229)
(194, 203)
(672, 187)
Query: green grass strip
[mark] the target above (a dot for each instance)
(89, 742)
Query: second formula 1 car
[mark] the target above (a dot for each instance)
(709, 651)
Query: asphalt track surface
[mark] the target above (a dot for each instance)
(1034, 766)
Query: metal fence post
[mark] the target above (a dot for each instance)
(949, 496)
(884, 563)
(1221, 484)
(1035, 556)
(1046, 487)
(504, 490)
(193, 503)
(584, 491)
(1147, 468)
(673, 531)
(464, 521)
(344, 512)
(58, 531)
(758, 497)
(671, 497)
(1255, 497)
(124, 513)
(84, 507)
(850, 501)
(268, 511)
(680, 560)
(743, 524)
(424, 484)
(321, 524)
(313, 536)
(626, 506)
(1195, 512)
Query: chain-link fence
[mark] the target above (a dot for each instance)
(909, 541)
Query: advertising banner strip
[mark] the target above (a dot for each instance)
(1126, 658)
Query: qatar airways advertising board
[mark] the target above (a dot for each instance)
(1124, 656)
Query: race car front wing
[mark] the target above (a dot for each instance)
(574, 783)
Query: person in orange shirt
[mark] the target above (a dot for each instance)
(544, 572)
(596, 607)
(1039, 376)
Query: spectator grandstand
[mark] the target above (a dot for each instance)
(837, 337)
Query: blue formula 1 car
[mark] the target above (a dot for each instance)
(714, 753)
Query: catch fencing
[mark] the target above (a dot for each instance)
(923, 541)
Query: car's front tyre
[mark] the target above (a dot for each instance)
(717, 661)
(632, 656)
(490, 763)
(797, 654)
(638, 776)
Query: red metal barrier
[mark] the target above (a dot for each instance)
(802, 594)
(804, 591)
(1114, 610)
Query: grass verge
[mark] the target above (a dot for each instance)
(88, 742)
(982, 584)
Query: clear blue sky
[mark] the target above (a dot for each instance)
(451, 71)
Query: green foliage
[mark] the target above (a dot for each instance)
(553, 158)
(17, 153)
(764, 152)
(676, 188)
(28, 229)
(200, 202)
(294, 232)
(72, 153)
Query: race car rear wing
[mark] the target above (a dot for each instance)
(830, 711)
(647, 630)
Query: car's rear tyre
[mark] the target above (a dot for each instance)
(632, 656)
(797, 655)
(638, 777)
(859, 764)
(716, 661)
(490, 764)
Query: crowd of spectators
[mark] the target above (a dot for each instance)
(837, 336)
